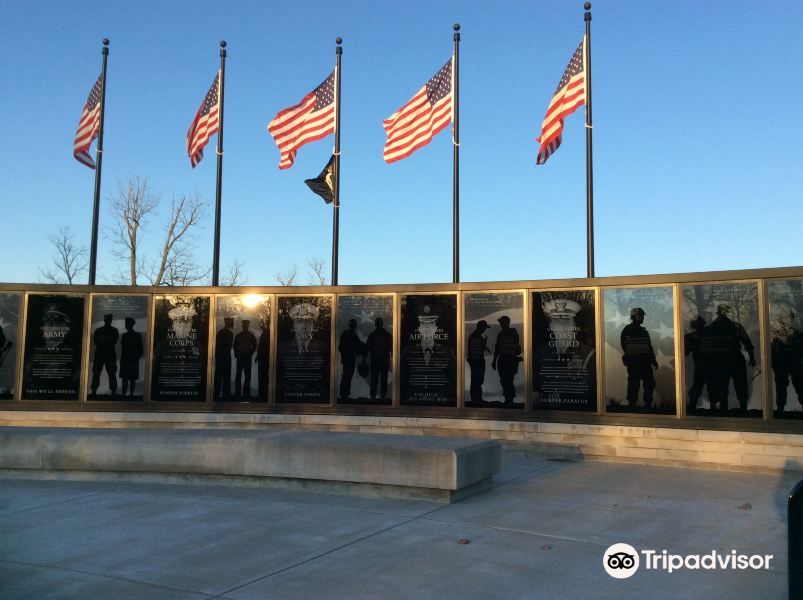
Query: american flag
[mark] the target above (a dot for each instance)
(570, 94)
(416, 123)
(88, 127)
(205, 124)
(310, 120)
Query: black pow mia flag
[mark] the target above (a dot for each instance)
(324, 184)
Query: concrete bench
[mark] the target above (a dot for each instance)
(430, 468)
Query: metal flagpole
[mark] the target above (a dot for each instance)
(589, 160)
(336, 202)
(93, 252)
(456, 146)
(221, 83)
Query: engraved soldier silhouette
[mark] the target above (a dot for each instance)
(639, 358)
(5, 345)
(694, 346)
(379, 345)
(105, 357)
(245, 344)
(507, 356)
(130, 353)
(223, 345)
(787, 359)
(350, 345)
(476, 349)
(722, 345)
(262, 358)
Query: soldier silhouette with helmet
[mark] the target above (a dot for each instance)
(639, 358)
(693, 344)
(787, 359)
(722, 345)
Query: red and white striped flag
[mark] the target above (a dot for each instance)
(310, 120)
(205, 124)
(571, 93)
(417, 122)
(88, 127)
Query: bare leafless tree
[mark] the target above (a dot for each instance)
(181, 268)
(288, 277)
(236, 275)
(130, 206)
(317, 271)
(177, 265)
(68, 261)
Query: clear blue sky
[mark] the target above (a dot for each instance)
(698, 137)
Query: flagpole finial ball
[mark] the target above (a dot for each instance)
(338, 40)
(456, 26)
(587, 6)
(105, 41)
(222, 43)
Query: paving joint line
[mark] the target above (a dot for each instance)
(518, 477)
(422, 516)
(331, 551)
(64, 501)
(101, 575)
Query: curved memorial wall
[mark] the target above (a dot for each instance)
(719, 350)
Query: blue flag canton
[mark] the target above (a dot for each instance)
(575, 67)
(94, 97)
(211, 99)
(440, 85)
(325, 93)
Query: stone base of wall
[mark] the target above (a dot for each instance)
(698, 448)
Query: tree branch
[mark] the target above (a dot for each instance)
(68, 260)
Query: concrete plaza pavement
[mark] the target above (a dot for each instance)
(539, 533)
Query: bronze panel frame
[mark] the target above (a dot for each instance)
(184, 406)
(21, 307)
(84, 348)
(435, 411)
(303, 407)
(767, 339)
(237, 407)
(395, 318)
(496, 412)
(598, 337)
(760, 276)
(701, 420)
(86, 364)
(601, 321)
